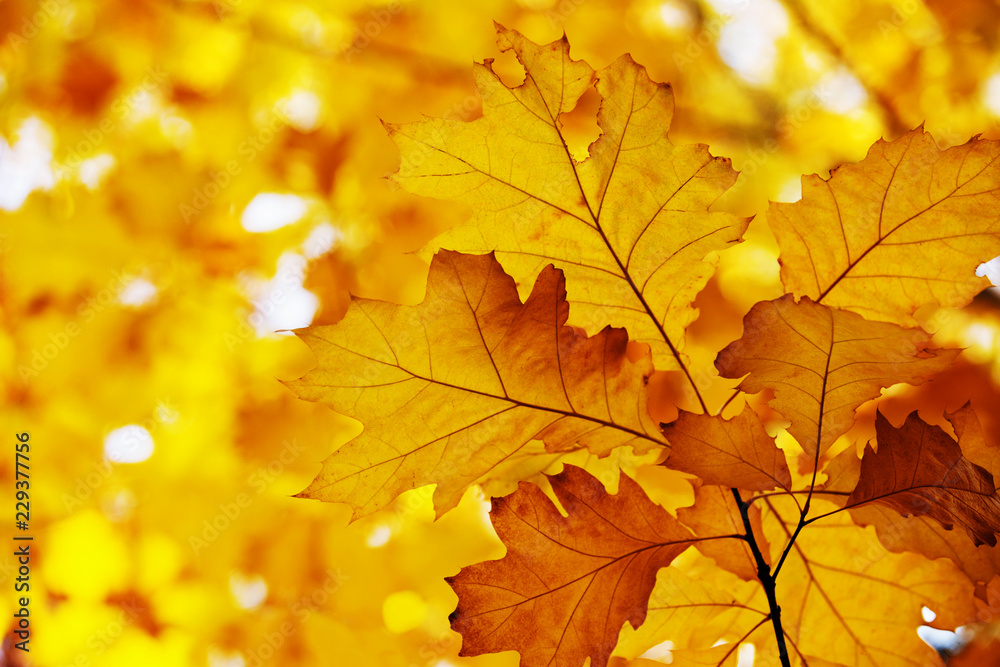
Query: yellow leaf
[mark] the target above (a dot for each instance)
(453, 389)
(905, 227)
(823, 363)
(630, 225)
(852, 608)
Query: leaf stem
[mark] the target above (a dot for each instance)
(736, 644)
(767, 579)
(792, 493)
(736, 392)
(596, 216)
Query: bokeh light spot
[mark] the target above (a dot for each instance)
(128, 444)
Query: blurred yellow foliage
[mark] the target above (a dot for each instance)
(180, 181)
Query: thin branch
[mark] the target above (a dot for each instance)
(823, 516)
(791, 542)
(766, 579)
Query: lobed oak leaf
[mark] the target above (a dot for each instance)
(905, 227)
(823, 363)
(452, 389)
(630, 225)
(919, 470)
(853, 604)
(736, 453)
(567, 584)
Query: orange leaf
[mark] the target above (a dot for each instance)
(567, 584)
(452, 389)
(735, 453)
(906, 226)
(823, 363)
(919, 470)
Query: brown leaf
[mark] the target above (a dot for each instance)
(452, 390)
(735, 453)
(918, 534)
(823, 363)
(906, 226)
(984, 651)
(567, 584)
(919, 470)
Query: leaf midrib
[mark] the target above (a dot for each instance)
(882, 238)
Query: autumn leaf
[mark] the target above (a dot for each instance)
(823, 363)
(694, 607)
(905, 227)
(630, 225)
(567, 584)
(722, 655)
(926, 536)
(916, 533)
(919, 470)
(852, 606)
(735, 453)
(450, 390)
(179, 181)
